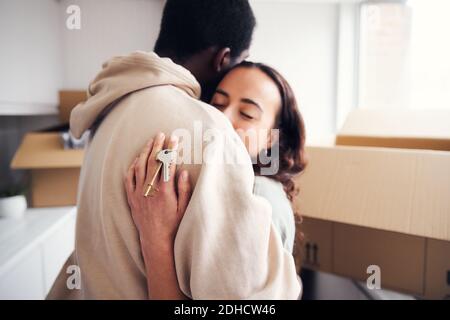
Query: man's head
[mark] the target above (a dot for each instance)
(208, 37)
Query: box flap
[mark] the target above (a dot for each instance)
(44, 151)
(411, 129)
(68, 99)
(321, 140)
(396, 190)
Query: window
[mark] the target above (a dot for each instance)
(404, 54)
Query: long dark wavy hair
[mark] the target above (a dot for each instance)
(291, 142)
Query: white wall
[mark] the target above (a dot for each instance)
(40, 55)
(300, 40)
(108, 28)
(297, 38)
(30, 55)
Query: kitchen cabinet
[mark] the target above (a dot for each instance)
(33, 249)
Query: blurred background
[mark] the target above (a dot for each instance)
(338, 55)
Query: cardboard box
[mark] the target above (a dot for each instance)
(400, 257)
(318, 244)
(68, 99)
(387, 206)
(349, 250)
(411, 129)
(397, 190)
(437, 275)
(54, 171)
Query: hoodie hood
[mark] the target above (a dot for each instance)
(125, 74)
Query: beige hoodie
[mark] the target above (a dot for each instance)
(226, 246)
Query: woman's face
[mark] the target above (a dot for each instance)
(251, 101)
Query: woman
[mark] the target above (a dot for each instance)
(253, 96)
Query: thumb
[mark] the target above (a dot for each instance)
(184, 192)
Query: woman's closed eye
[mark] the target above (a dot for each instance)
(218, 105)
(246, 116)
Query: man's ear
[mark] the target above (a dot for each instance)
(222, 60)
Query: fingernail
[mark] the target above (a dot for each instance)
(149, 142)
(174, 139)
(184, 175)
(161, 136)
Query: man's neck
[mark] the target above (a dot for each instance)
(171, 56)
(193, 64)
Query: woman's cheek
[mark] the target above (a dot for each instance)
(254, 140)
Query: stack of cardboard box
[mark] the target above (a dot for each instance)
(381, 196)
(54, 170)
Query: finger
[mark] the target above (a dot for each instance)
(173, 145)
(184, 192)
(129, 177)
(152, 162)
(141, 164)
(129, 181)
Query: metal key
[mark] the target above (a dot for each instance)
(152, 182)
(166, 156)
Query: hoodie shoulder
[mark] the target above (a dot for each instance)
(183, 105)
(122, 77)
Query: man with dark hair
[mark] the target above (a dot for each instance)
(226, 246)
(206, 37)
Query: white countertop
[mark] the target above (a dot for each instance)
(19, 236)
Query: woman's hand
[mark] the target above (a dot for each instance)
(158, 216)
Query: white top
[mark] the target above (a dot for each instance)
(282, 214)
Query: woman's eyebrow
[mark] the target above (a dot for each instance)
(250, 101)
(243, 100)
(220, 91)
